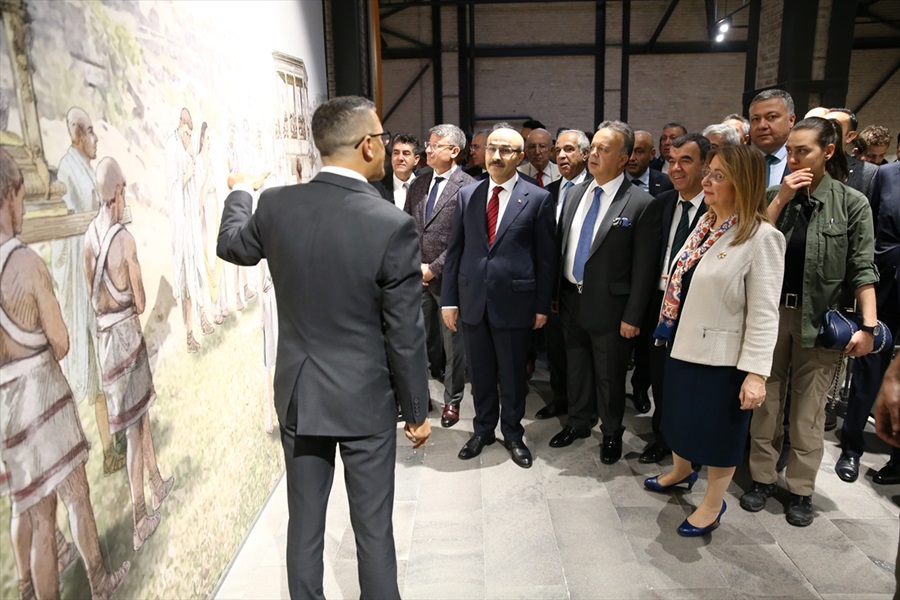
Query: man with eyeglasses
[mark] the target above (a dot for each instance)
(609, 246)
(498, 282)
(538, 148)
(432, 203)
(345, 267)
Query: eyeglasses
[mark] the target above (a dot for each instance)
(716, 176)
(436, 147)
(384, 135)
(504, 151)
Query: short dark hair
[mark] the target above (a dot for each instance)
(671, 124)
(11, 178)
(623, 129)
(339, 122)
(854, 122)
(776, 93)
(698, 139)
(406, 138)
(533, 124)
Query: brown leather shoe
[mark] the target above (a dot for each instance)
(450, 416)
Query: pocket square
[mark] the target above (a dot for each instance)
(621, 222)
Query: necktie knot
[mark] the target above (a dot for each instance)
(568, 185)
(771, 159)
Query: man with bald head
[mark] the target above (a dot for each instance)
(498, 282)
(638, 170)
(348, 281)
(189, 283)
(80, 364)
(538, 148)
(116, 289)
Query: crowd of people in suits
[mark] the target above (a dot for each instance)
(585, 244)
(711, 267)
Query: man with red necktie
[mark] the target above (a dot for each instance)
(538, 148)
(499, 275)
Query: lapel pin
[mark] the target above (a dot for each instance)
(520, 201)
(721, 255)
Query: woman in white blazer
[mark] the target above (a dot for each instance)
(721, 340)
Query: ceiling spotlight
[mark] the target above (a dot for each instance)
(720, 37)
(723, 26)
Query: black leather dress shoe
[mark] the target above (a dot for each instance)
(610, 450)
(641, 402)
(519, 453)
(889, 474)
(847, 467)
(475, 445)
(549, 411)
(653, 454)
(567, 436)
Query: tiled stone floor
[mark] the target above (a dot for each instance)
(572, 527)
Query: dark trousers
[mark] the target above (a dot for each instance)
(450, 354)
(598, 365)
(369, 475)
(497, 359)
(868, 373)
(556, 359)
(656, 363)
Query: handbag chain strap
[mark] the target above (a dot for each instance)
(834, 389)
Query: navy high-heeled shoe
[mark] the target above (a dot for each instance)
(652, 483)
(688, 530)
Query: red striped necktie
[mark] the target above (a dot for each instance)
(493, 209)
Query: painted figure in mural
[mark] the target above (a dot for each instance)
(80, 364)
(270, 345)
(43, 448)
(210, 211)
(189, 279)
(117, 294)
(239, 163)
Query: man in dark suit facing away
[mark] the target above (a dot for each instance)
(607, 269)
(432, 203)
(343, 262)
(498, 282)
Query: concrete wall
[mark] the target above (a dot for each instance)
(696, 89)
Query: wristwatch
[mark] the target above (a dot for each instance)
(870, 329)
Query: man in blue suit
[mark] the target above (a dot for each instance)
(499, 275)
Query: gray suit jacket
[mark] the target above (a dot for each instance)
(434, 235)
(343, 263)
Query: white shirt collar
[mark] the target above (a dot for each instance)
(398, 183)
(446, 174)
(343, 172)
(610, 187)
(508, 186)
(696, 200)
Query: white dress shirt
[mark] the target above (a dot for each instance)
(560, 203)
(676, 218)
(400, 189)
(551, 172)
(345, 172)
(610, 188)
(665, 167)
(776, 169)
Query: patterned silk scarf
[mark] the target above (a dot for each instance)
(693, 251)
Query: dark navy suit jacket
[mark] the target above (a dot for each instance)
(513, 279)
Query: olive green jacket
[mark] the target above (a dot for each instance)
(840, 248)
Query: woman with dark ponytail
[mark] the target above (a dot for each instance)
(829, 263)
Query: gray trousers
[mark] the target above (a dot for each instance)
(369, 476)
(437, 334)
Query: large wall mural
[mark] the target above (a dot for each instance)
(136, 418)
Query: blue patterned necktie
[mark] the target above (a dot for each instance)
(771, 159)
(562, 200)
(586, 237)
(432, 197)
